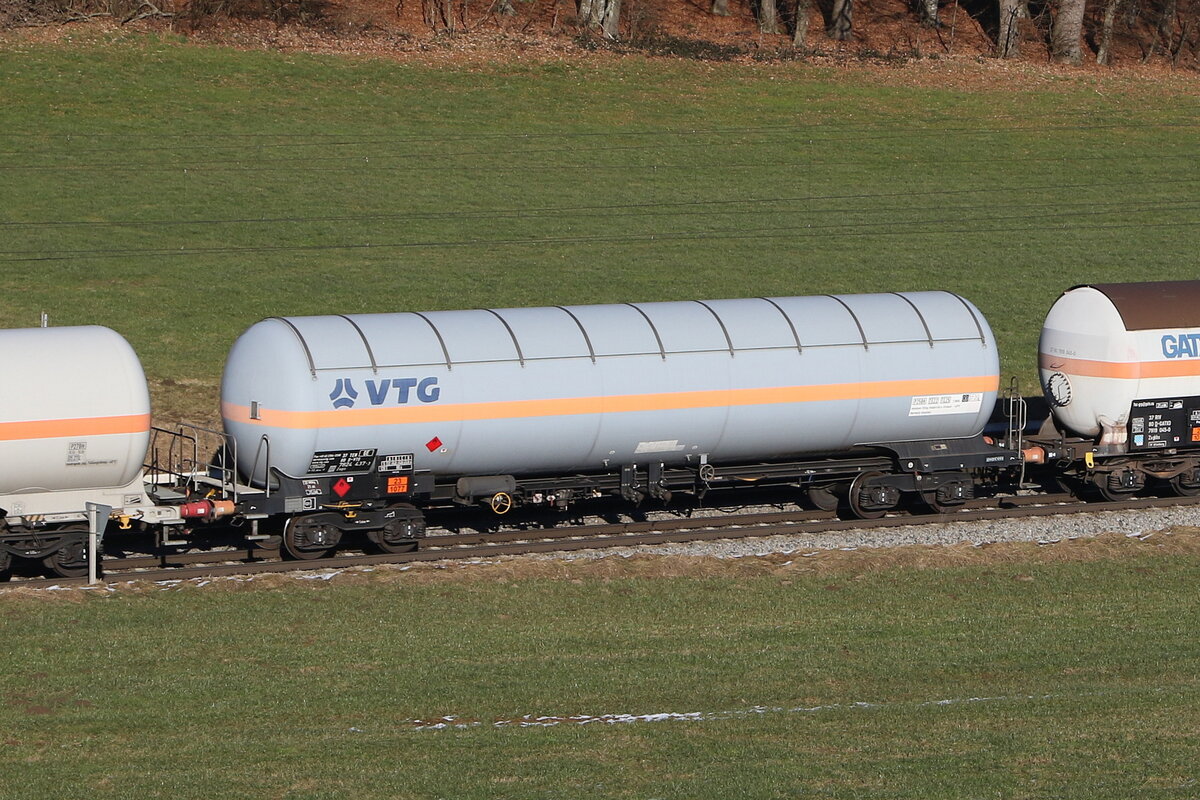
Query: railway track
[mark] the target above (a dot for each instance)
(465, 546)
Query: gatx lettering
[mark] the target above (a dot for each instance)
(1182, 345)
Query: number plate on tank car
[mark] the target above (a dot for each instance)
(336, 462)
(1164, 423)
(401, 462)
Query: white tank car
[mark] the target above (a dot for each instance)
(561, 390)
(75, 414)
(1122, 362)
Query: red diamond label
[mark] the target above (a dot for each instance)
(341, 487)
(433, 444)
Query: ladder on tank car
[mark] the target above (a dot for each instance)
(1016, 412)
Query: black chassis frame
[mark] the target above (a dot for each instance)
(365, 500)
(1124, 471)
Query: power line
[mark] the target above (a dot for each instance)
(668, 208)
(832, 230)
(320, 139)
(367, 164)
(876, 133)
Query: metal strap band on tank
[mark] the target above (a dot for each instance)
(312, 366)
(507, 327)
(366, 344)
(438, 334)
(583, 330)
(720, 322)
(920, 316)
(788, 319)
(853, 316)
(975, 319)
(662, 351)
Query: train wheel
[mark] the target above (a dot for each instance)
(949, 496)
(306, 538)
(1105, 494)
(1067, 484)
(399, 535)
(1118, 480)
(870, 502)
(1103, 490)
(822, 498)
(1185, 485)
(70, 559)
(931, 501)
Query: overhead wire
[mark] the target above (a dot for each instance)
(365, 162)
(323, 139)
(658, 208)
(647, 209)
(909, 227)
(810, 134)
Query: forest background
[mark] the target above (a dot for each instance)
(1076, 32)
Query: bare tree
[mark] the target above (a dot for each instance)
(439, 15)
(1164, 28)
(1104, 50)
(800, 29)
(929, 13)
(1008, 35)
(1190, 26)
(602, 14)
(1066, 31)
(841, 21)
(612, 19)
(768, 17)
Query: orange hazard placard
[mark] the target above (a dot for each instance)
(1196, 434)
(397, 485)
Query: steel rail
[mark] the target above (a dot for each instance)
(587, 537)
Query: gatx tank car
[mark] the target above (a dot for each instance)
(356, 425)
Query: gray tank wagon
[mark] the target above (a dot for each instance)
(359, 421)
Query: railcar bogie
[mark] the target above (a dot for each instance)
(60, 549)
(311, 536)
(402, 532)
(69, 558)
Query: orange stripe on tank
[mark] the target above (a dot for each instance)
(1132, 370)
(64, 428)
(569, 406)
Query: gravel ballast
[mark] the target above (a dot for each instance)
(1139, 522)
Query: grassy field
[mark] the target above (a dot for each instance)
(178, 194)
(1005, 676)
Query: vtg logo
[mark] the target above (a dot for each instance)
(1183, 345)
(344, 395)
